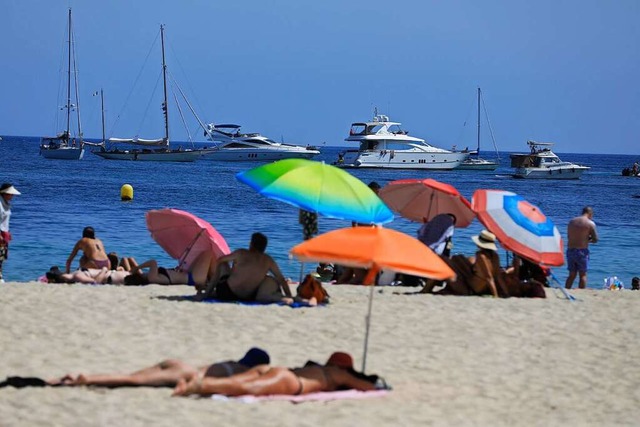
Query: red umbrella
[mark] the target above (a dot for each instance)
(184, 236)
(422, 199)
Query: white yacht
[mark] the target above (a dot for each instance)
(542, 163)
(383, 144)
(233, 145)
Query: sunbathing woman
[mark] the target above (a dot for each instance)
(93, 276)
(263, 380)
(168, 372)
(197, 275)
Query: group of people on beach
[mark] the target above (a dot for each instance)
(252, 275)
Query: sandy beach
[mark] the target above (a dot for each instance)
(451, 360)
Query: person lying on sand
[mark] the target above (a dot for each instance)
(168, 372)
(94, 276)
(262, 380)
(197, 275)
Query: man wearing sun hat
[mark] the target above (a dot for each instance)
(7, 191)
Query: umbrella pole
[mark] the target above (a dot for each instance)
(301, 271)
(566, 293)
(366, 333)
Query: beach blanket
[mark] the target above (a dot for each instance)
(311, 397)
(217, 301)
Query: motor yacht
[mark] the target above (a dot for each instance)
(542, 163)
(233, 145)
(384, 144)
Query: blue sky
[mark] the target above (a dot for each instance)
(560, 71)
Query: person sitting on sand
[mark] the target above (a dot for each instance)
(243, 275)
(168, 372)
(263, 380)
(197, 275)
(94, 255)
(479, 275)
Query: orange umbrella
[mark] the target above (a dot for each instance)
(374, 248)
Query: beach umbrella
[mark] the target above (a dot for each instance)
(520, 226)
(317, 187)
(421, 200)
(374, 248)
(184, 236)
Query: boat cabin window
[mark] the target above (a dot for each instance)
(237, 145)
(390, 145)
(358, 129)
(368, 145)
(395, 129)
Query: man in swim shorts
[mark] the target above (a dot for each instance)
(580, 232)
(243, 275)
(94, 255)
(168, 372)
(336, 374)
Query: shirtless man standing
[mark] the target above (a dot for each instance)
(93, 250)
(580, 232)
(242, 276)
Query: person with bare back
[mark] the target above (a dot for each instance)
(243, 275)
(167, 373)
(580, 232)
(94, 255)
(336, 374)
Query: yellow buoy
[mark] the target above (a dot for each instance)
(126, 192)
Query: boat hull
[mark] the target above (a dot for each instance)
(573, 172)
(152, 156)
(478, 164)
(62, 153)
(244, 155)
(397, 159)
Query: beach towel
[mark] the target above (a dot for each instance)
(323, 396)
(295, 304)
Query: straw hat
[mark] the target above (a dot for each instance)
(7, 188)
(485, 240)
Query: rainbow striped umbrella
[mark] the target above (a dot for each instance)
(318, 187)
(519, 226)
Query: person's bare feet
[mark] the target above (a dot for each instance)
(65, 380)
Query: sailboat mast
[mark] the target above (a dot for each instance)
(165, 106)
(68, 130)
(478, 149)
(102, 108)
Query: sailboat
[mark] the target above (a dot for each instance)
(155, 149)
(474, 162)
(63, 146)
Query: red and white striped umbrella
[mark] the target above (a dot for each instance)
(520, 226)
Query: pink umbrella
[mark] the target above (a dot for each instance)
(184, 236)
(422, 199)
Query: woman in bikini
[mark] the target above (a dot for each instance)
(197, 275)
(264, 380)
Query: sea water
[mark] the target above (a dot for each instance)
(59, 198)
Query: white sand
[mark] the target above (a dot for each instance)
(451, 360)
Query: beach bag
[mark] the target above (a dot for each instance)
(312, 287)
